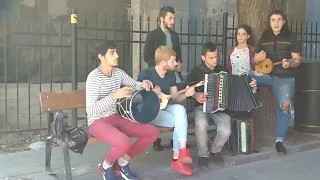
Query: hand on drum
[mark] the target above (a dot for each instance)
(189, 91)
(200, 97)
(147, 85)
(122, 92)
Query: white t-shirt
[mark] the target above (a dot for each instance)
(240, 61)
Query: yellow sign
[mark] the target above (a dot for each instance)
(74, 19)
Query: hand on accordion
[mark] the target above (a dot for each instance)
(200, 97)
(253, 83)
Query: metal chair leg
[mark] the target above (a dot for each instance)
(48, 151)
(67, 164)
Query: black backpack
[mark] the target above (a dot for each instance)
(75, 138)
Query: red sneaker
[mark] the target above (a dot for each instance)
(184, 156)
(181, 167)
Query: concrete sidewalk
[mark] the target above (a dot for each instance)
(150, 165)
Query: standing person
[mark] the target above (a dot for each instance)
(278, 43)
(164, 36)
(174, 115)
(102, 91)
(209, 56)
(240, 57)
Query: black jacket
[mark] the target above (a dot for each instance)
(155, 39)
(278, 47)
(197, 74)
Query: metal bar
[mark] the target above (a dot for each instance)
(5, 73)
(224, 38)
(96, 35)
(67, 164)
(123, 49)
(48, 148)
(50, 39)
(74, 61)
(17, 83)
(48, 151)
(195, 41)
(306, 40)
(40, 74)
(232, 34)
(38, 34)
(140, 37)
(209, 32)
(202, 32)
(29, 87)
(85, 37)
(316, 43)
(61, 54)
(311, 46)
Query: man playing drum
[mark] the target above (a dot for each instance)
(174, 115)
(102, 92)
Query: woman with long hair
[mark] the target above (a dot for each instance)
(240, 57)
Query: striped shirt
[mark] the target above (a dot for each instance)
(98, 92)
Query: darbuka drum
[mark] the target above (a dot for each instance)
(142, 107)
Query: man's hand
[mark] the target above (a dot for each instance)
(157, 90)
(285, 63)
(147, 85)
(200, 97)
(122, 92)
(189, 91)
(260, 56)
(253, 83)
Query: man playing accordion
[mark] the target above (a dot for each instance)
(209, 55)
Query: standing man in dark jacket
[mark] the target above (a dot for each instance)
(163, 36)
(279, 44)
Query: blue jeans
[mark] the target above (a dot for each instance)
(223, 123)
(174, 115)
(283, 90)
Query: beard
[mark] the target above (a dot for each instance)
(166, 25)
(168, 68)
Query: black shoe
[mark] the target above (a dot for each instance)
(203, 162)
(157, 145)
(218, 159)
(280, 147)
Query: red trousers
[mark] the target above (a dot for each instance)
(116, 131)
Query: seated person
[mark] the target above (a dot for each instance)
(102, 91)
(174, 115)
(209, 55)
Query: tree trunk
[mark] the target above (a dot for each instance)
(255, 14)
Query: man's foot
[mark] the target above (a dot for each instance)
(184, 156)
(218, 159)
(125, 172)
(107, 173)
(181, 167)
(203, 162)
(280, 147)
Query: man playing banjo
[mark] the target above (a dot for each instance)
(174, 114)
(102, 91)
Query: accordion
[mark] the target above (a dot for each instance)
(227, 91)
(241, 140)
